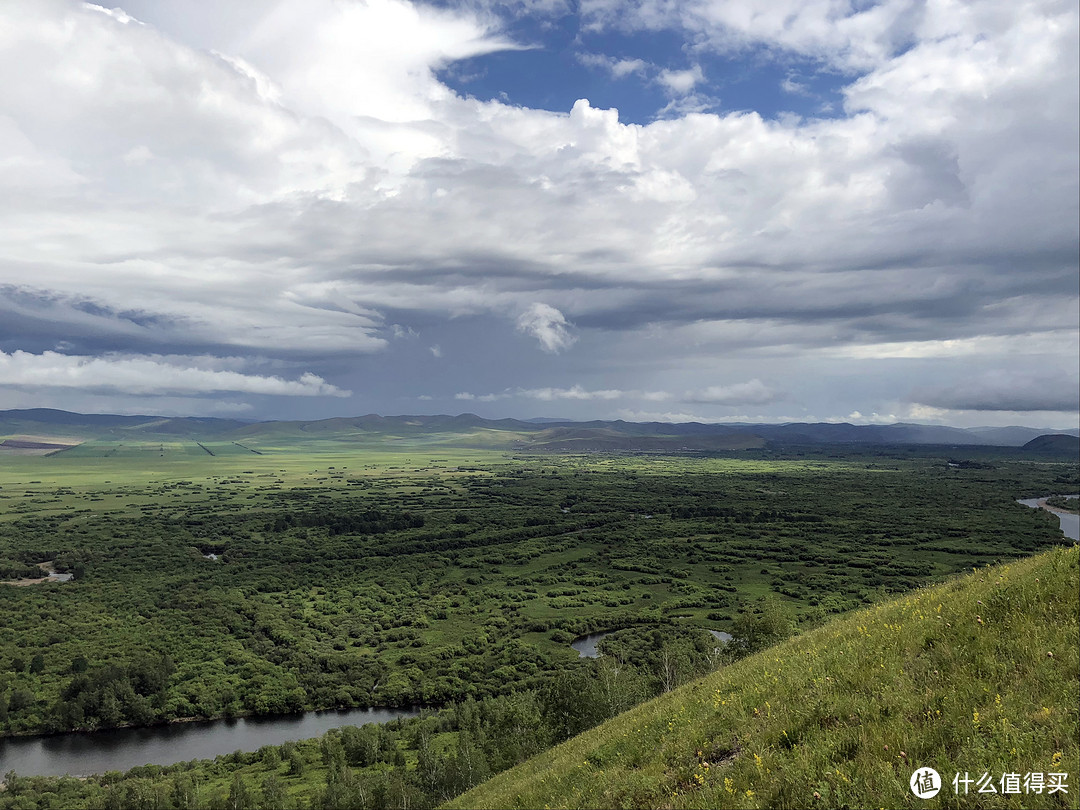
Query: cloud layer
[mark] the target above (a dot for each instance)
(293, 184)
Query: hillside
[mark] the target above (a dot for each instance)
(979, 674)
(582, 439)
(1058, 444)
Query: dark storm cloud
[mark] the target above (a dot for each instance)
(1032, 391)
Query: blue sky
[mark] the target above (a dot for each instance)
(561, 58)
(660, 209)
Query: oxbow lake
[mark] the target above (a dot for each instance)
(83, 753)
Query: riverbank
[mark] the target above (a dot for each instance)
(1069, 522)
(1044, 504)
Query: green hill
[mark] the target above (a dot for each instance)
(33, 431)
(1055, 444)
(978, 675)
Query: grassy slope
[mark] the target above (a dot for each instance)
(957, 677)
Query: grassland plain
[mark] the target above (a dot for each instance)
(393, 572)
(978, 675)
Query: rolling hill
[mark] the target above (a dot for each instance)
(1057, 444)
(469, 430)
(978, 675)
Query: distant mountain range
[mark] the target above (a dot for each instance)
(39, 424)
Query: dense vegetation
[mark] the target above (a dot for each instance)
(415, 580)
(845, 712)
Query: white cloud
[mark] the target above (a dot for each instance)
(849, 35)
(874, 418)
(793, 86)
(277, 180)
(149, 375)
(754, 392)
(465, 396)
(674, 417)
(436, 350)
(681, 82)
(573, 393)
(547, 325)
(618, 68)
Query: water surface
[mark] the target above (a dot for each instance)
(586, 645)
(83, 753)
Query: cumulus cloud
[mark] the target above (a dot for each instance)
(680, 82)
(547, 325)
(149, 375)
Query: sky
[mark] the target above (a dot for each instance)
(710, 210)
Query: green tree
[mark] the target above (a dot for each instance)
(241, 796)
(271, 756)
(296, 763)
(183, 794)
(273, 793)
(762, 625)
(333, 753)
(570, 704)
